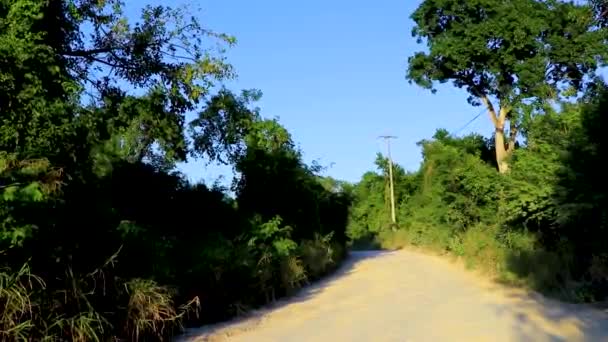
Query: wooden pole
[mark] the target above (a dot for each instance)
(388, 138)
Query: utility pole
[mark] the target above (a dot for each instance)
(388, 138)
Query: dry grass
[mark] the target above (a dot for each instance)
(85, 326)
(17, 307)
(151, 311)
(293, 273)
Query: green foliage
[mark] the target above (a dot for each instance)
(116, 243)
(542, 225)
(319, 255)
(23, 183)
(100, 237)
(370, 213)
(393, 240)
(536, 169)
(220, 129)
(513, 57)
(271, 240)
(511, 50)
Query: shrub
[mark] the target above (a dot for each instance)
(393, 240)
(482, 250)
(293, 273)
(318, 255)
(151, 310)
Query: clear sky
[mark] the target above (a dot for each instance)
(333, 71)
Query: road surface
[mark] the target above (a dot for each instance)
(408, 296)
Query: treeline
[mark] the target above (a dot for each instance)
(100, 236)
(529, 204)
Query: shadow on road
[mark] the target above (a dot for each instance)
(537, 316)
(252, 319)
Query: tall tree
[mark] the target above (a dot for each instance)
(506, 55)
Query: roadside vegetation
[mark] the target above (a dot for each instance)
(101, 237)
(528, 204)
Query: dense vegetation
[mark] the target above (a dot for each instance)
(100, 236)
(529, 204)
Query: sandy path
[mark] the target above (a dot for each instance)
(407, 296)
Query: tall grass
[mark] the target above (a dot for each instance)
(151, 311)
(84, 326)
(17, 308)
(30, 310)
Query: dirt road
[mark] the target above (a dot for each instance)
(407, 296)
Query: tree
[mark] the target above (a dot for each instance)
(95, 223)
(508, 55)
(220, 129)
(137, 79)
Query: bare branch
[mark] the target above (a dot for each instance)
(98, 60)
(177, 57)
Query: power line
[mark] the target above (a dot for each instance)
(470, 122)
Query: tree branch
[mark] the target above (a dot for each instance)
(179, 57)
(98, 60)
(491, 111)
(89, 53)
(502, 117)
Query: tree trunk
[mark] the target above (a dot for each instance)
(502, 154)
(498, 119)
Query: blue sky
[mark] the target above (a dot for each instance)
(334, 74)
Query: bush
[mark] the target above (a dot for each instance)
(319, 255)
(88, 167)
(393, 240)
(293, 273)
(180, 244)
(482, 249)
(151, 311)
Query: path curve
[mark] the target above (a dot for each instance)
(408, 296)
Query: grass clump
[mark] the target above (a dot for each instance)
(151, 311)
(17, 313)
